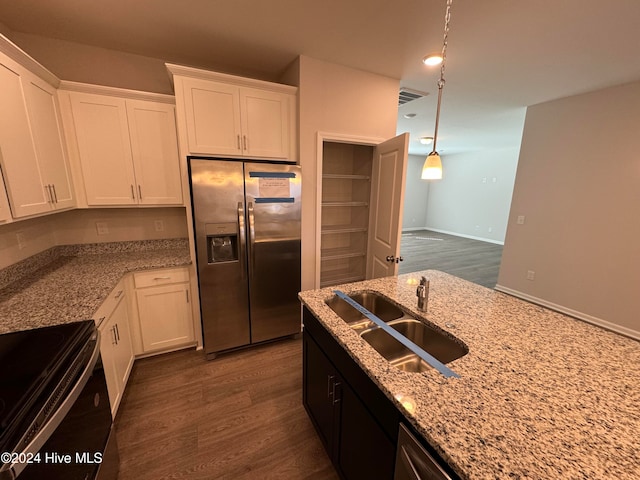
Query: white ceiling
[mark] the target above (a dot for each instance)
(503, 54)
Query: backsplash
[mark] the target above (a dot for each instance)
(29, 265)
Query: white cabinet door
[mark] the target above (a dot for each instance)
(115, 345)
(108, 344)
(265, 123)
(47, 134)
(213, 117)
(123, 359)
(20, 166)
(227, 119)
(165, 316)
(154, 146)
(102, 135)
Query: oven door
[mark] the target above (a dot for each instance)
(77, 443)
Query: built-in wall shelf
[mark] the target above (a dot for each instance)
(345, 204)
(346, 176)
(346, 187)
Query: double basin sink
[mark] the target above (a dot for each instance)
(433, 341)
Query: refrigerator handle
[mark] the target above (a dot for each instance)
(252, 238)
(243, 242)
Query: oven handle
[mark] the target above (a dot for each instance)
(13, 470)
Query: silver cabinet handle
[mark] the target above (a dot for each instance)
(55, 195)
(117, 334)
(139, 192)
(133, 193)
(162, 278)
(238, 140)
(119, 294)
(336, 398)
(187, 292)
(244, 138)
(114, 340)
(329, 384)
(48, 194)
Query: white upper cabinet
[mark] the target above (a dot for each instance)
(32, 154)
(154, 146)
(127, 149)
(48, 138)
(234, 116)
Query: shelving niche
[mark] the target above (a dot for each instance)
(346, 192)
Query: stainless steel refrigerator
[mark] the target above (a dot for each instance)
(247, 233)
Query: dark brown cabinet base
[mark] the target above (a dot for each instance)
(359, 430)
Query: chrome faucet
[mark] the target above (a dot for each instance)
(423, 294)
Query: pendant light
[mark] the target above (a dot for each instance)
(432, 168)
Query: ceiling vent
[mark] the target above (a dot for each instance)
(407, 95)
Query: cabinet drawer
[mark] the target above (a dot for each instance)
(160, 277)
(109, 305)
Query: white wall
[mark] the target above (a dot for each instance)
(339, 100)
(79, 226)
(473, 197)
(578, 188)
(415, 195)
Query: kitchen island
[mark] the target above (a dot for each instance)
(540, 395)
(68, 283)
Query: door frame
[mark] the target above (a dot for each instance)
(322, 137)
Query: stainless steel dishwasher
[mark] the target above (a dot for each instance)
(413, 462)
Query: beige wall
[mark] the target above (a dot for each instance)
(578, 187)
(339, 100)
(79, 226)
(101, 66)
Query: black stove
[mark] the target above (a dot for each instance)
(53, 400)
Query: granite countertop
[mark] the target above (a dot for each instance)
(69, 283)
(540, 395)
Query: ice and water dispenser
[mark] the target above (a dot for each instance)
(222, 242)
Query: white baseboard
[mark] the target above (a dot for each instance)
(455, 234)
(628, 332)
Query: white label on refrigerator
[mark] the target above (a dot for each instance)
(274, 187)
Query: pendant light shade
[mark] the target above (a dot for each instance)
(432, 168)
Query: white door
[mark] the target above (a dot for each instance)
(265, 123)
(154, 147)
(213, 117)
(47, 136)
(17, 151)
(387, 200)
(102, 133)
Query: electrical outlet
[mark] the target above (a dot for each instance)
(490, 229)
(520, 220)
(22, 243)
(102, 228)
(531, 275)
(159, 225)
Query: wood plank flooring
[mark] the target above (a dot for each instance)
(237, 417)
(473, 260)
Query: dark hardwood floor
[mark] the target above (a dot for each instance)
(237, 417)
(473, 260)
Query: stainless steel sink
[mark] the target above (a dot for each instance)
(432, 341)
(376, 304)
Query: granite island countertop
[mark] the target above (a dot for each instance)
(540, 395)
(69, 283)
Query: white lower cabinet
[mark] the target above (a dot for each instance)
(164, 309)
(115, 344)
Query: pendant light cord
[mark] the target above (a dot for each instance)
(441, 81)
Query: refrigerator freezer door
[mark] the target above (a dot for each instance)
(273, 243)
(219, 221)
